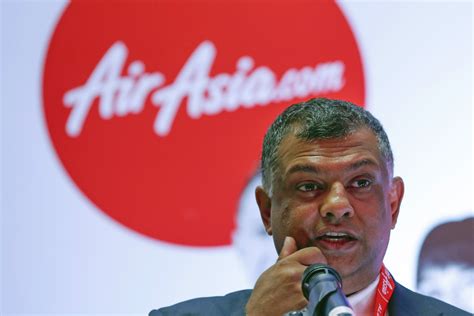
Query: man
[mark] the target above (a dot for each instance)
(328, 196)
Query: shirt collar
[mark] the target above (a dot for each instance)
(363, 301)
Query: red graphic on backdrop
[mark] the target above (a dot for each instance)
(157, 110)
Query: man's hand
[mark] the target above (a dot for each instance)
(278, 289)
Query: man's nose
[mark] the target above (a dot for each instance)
(336, 204)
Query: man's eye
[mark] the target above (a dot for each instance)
(307, 187)
(361, 183)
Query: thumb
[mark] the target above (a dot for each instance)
(289, 247)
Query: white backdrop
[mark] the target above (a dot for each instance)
(61, 255)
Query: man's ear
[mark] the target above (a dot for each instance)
(396, 196)
(264, 203)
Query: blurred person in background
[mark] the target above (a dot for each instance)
(446, 264)
(254, 246)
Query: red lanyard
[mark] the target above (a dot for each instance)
(384, 291)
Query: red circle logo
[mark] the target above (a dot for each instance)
(157, 110)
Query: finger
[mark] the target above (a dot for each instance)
(289, 247)
(310, 255)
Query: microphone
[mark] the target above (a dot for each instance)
(322, 287)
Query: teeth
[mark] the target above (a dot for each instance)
(333, 234)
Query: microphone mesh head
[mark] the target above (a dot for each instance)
(317, 273)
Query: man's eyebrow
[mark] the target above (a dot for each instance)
(312, 169)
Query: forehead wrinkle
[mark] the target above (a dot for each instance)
(304, 168)
(361, 163)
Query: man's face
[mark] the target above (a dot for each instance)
(339, 196)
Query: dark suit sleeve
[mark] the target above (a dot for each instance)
(232, 304)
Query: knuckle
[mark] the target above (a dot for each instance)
(294, 273)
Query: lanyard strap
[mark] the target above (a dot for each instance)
(384, 291)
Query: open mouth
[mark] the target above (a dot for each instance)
(336, 237)
(335, 240)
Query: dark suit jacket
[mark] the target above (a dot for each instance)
(403, 303)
